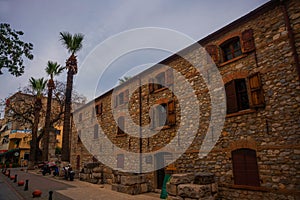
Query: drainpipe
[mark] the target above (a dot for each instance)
(140, 124)
(291, 36)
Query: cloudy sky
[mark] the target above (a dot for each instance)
(99, 20)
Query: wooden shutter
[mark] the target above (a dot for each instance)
(169, 77)
(256, 92)
(248, 41)
(152, 118)
(251, 167)
(231, 100)
(245, 168)
(239, 168)
(120, 161)
(151, 85)
(213, 51)
(100, 108)
(126, 96)
(171, 113)
(116, 99)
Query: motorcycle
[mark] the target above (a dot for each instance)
(69, 173)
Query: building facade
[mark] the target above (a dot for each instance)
(257, 153)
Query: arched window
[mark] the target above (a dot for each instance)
(245, 168)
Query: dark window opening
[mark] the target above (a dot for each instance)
(78, 136)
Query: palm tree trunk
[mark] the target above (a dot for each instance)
(34, 145)
(47, 121)
(65, 155)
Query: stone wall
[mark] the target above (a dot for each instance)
(129, 183)
(271, 130)
(192, 186)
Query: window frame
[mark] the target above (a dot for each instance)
(230, 45)
(170, 115)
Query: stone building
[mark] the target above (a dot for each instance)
(255, 154)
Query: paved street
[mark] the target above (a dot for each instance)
(62, 190)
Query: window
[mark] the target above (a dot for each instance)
(121, 126)
(161, 80)
(96, 129)
(231, 49)
(163, 115)
(120, 161)
(245, 168)
(98, 109)
(121, 98)
(237, 97)
(78, 136)
(237, 94)
(234, 47)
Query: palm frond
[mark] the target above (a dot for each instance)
(72, 43)
(53, 69)
(37, 85)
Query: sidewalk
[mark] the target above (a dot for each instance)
(66, 190)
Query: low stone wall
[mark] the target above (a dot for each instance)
(129, 183)
(192, 186)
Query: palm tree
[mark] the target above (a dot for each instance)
(52, 69)
(38, 85)
(73, 44)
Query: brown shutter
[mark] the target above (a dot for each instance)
(245, 168)
(100, 109)
(256, 92)
(251, 167)
(248, 41)
(116, 99)
(213, 51)
(231, 100)
(126, 96)
(169, 77)
(152, 118)
(151, 85)
(120, 161)
(171, 113)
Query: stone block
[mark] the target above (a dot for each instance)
(97, 169)
(96, 175)
(171, 189)
(127, 189)
(214, 188)
(181, 178)
(193, 191)
(204, 178)
(174, 198)
(131, 180)
(144, 188)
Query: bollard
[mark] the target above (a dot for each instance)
(15, 180)
(26, 185)
(50, 195)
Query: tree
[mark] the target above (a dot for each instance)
(12, 50)
(38, 85)
(124, 79)
(52, 69)
(73, 44)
